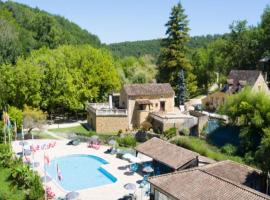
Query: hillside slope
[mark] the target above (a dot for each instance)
(23, 29)
(152, 47)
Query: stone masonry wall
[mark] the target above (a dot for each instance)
(111, 124)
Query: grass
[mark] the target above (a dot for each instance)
(76, 129)
(204, 148)
(6, 191)
(81, 130)
(42, 135)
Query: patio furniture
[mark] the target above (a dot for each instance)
(112, 142)
(144, 181)
(127, 156)
(148, 169)
(130, 186)
(94, 145)
(72, 195)
(129, 197)
(134, 167)
(50, 193)
(74, 142)
(134, 159)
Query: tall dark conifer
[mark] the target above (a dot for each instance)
(181, 88)
(173, 52)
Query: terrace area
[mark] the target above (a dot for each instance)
(104, 109)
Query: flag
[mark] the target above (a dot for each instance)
(59, 173)
(46, 159)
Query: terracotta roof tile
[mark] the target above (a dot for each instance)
(197, 184)
(166, 153)
(149, 89)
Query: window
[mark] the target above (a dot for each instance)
(259, 87)
(162, 106)
(156, 104)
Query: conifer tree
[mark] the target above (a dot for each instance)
(173, 58)
(181, 88)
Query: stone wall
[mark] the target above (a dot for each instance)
(107, 123)
(91, 119)
(133, 108)
(111, 124)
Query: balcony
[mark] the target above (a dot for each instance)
(103, 109)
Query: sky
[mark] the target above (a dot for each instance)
(130, 20)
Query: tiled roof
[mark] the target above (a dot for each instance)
(149, 89)
(249, 76)
(166, 153)
(197, 184)
(238, 173)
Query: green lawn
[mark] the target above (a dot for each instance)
(202, 147)
(80, 130)
(6, 191)
(42, 135)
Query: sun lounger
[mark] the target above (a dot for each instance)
(50, 193)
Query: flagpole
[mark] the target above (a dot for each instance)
(45, 175)
(23, 142)
(33, 161)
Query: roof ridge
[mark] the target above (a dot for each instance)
(232, 161)
(241, 186)
(175, 172)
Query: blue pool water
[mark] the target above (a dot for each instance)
(80, 172)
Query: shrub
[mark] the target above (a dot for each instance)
(36, 188)
(146, 126)
(127, 141)
(170, 133)
(229, 149)
(5, 155)
(185, 131)
(141, 136)
(203, 148)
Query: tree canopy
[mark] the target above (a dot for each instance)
(173, 56)
(23, 29)
(251, 112)
(65, 77)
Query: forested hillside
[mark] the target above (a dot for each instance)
(23, 29)
(152, 47)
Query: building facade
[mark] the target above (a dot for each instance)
(237, 80)
(135, 104)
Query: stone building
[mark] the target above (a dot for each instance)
(237, 80)
(137, 103)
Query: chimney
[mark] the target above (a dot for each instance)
(110, 101)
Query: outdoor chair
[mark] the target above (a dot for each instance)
(50, 193)
(134, 167)
(144, 181)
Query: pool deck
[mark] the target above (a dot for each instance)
(112, 191)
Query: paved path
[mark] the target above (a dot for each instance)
(66, 125)
(56, 136)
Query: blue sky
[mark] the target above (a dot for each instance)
(129, 20)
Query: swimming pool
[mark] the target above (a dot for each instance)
(80, 172)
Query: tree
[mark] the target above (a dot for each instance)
(33, 118)
(173, 58)
(251, 112)
(61, 79)
(262, 155)
(265, 25)
(16, 117)
(181, 88)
